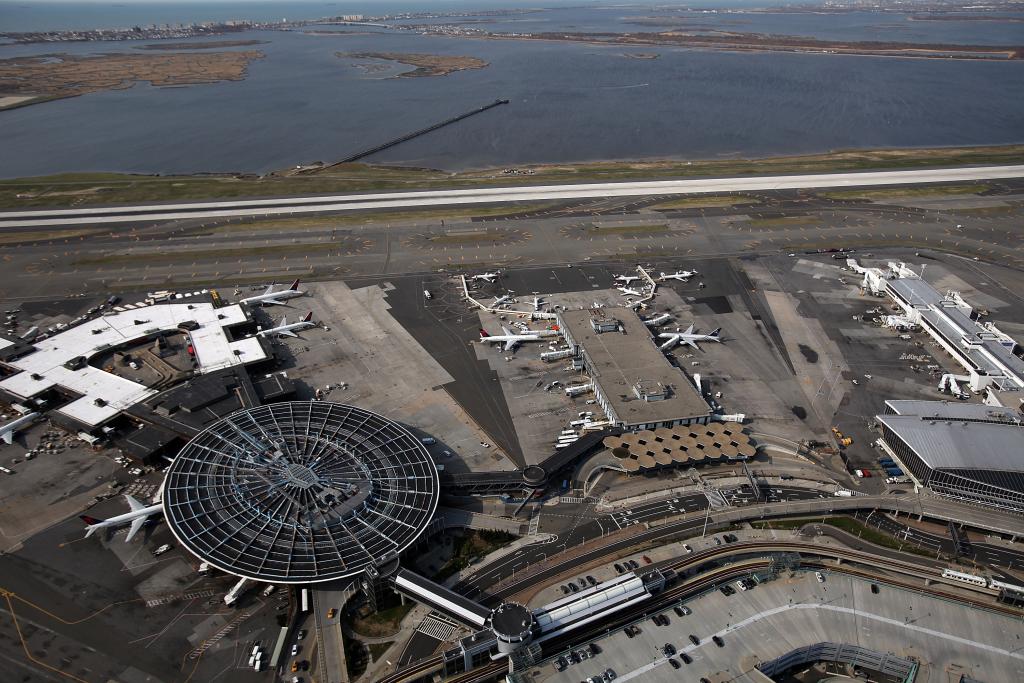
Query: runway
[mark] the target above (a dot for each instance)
(436, 198)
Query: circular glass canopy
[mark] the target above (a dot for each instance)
(300, 492)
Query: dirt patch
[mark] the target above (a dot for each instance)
(810, 355)
(426, 65)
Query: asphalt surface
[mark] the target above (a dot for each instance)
(308, 205)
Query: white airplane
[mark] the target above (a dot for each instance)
(500, 300)
(626, 291)
(626, 279)
(537, 301)
(286, 330)
(138, 516)
(689, 338)
(489, 277)
(270, 297)
(681, 275)
(658, 320)
(8, 430)
(511, 340)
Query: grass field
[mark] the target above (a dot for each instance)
(783, 222)
(81, 189)
(188, 256)
(850, 526)
(904, 192)
(472, 546)
(704, 202)
(377, 650)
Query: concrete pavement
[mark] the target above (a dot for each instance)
(337, 203)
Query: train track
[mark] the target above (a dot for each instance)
(687, 588)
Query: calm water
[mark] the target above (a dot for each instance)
(568, 102)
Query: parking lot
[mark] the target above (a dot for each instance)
(722, 637)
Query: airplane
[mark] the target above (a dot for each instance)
(626, 279)
(500, 300)
(511, 340)
(537, 301)
(626, 291)
(681, 275)
(8, 430)
(270, 297)
(139, 516)
(688, 338)
(285, 330)
(656, 320)
(489, 277)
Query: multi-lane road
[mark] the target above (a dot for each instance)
(536, 193)
(575, 525)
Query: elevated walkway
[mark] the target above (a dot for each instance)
(442, 599)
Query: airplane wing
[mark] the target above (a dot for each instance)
(689, 342)
(9, 436)
(689, 330)
(137, 524)
(271, 302)
(270, 288)
(287, 333)
(510, 344)
(284, 321)
(133, 503)
(506, 331)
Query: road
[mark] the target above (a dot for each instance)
(578, 526)
(436, 198)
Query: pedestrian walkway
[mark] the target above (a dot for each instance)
(438, 626)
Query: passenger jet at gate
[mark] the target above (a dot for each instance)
(271, 297)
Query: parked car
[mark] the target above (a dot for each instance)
(675, 664)
(686, 658)
(694, 639)
(820, 577)
(718, 641)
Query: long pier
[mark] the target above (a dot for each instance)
(421, 131)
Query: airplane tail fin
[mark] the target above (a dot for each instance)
(92, 524)
(716, 332)
(308, 317)
(295, 285)
(483, 334)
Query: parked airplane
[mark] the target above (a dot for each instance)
(139, 516)
(286, 330)
(489, 277)
(689, 338)
(511, 340)
(626, 279)
(681, 275)
(626, 291)
(500, 300)
(8, 430)
(271, 297)
(537, 301)
(656, 320)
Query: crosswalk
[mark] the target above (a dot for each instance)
(570, 499)
(437, 626)
(155, 602)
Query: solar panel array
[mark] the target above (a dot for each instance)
(300, 492)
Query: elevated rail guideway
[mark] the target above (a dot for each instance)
(392, 200)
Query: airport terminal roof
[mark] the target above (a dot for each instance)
(949, 318)
(954, 410)
(618, 360)
(104, 394)
(960, 445)
(300, 492)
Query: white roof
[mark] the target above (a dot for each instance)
(4, 343)
(212, 348)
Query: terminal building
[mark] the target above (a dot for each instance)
(633, 382)
(90, 374)
(986, 354)
(970, 452)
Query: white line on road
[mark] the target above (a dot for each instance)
(301, 205)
